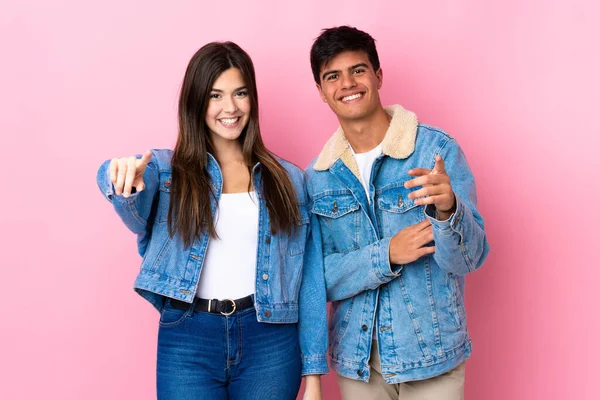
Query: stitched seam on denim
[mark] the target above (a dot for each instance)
(227, 363)
(173, 324)
(300, 249)
(415, 324)
(434, 318)
(468, 261)
(240, 340)
(459, 313)
(455, 352)
(135, 213)
(364, 312)
(391, 331)
(314, 358)
(436, 130)
(161, 254)
(455, 315)
(381, 266)
(344, 322)
(153, 274)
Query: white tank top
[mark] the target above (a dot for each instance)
(229, 270)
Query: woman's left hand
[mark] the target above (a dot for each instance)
(312, 389)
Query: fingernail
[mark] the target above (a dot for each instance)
(126, 194)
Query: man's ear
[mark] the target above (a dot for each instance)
(321, 93)
(379, 75)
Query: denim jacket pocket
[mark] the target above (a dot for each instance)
(335, 205)
(397, 211)
(340, 221)
(395, 199)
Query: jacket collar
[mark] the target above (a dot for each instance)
(398, 142)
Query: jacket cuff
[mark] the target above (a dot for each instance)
(109, 189)
(314, 365)
(450, 225)
(380, 259)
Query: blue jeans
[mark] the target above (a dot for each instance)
(211, 356)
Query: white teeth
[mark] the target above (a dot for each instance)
(354, 96)
(229, 121)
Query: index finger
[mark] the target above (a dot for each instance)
(440, 165)
(146, 158)
(419, 172)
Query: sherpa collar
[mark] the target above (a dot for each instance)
(398, 142)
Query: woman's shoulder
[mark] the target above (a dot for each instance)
(162, 159)
(295, 172)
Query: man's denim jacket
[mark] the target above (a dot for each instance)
(289, 283)
(416, 311)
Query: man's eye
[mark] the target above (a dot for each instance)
(332, 77)
(358, 71)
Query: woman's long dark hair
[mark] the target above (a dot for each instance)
(190, 212)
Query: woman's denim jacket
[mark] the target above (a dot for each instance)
(416, 311)
(287, 288)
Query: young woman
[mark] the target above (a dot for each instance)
(228, 256)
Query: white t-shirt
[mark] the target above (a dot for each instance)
(229, 270)
(365, 165)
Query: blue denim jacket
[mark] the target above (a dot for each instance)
(418, 308)
(289, 285)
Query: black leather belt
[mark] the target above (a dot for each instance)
(224, 307)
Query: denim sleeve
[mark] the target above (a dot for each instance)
(461, 245)
(312, 320)
(134, 210)
(349, 274)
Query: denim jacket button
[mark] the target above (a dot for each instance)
(359, 372)
(265, 277)
(268, 314)
(268, 239)
(364, 327)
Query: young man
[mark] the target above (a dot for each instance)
(397, 213)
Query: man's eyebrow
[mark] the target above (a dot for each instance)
(362, 65)
(329, 73)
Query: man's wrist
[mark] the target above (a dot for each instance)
(444, 215)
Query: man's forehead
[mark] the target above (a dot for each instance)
(346, 59)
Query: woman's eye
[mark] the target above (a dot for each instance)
(241, 94)
(214, 96)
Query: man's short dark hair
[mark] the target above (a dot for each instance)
(334, 41)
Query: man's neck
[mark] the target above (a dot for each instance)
(367, 133)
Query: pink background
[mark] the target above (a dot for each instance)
(516, 82)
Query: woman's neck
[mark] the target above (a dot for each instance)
(228, 151)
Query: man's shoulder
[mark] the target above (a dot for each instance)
(432, 132)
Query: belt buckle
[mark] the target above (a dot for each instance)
(232, 311)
